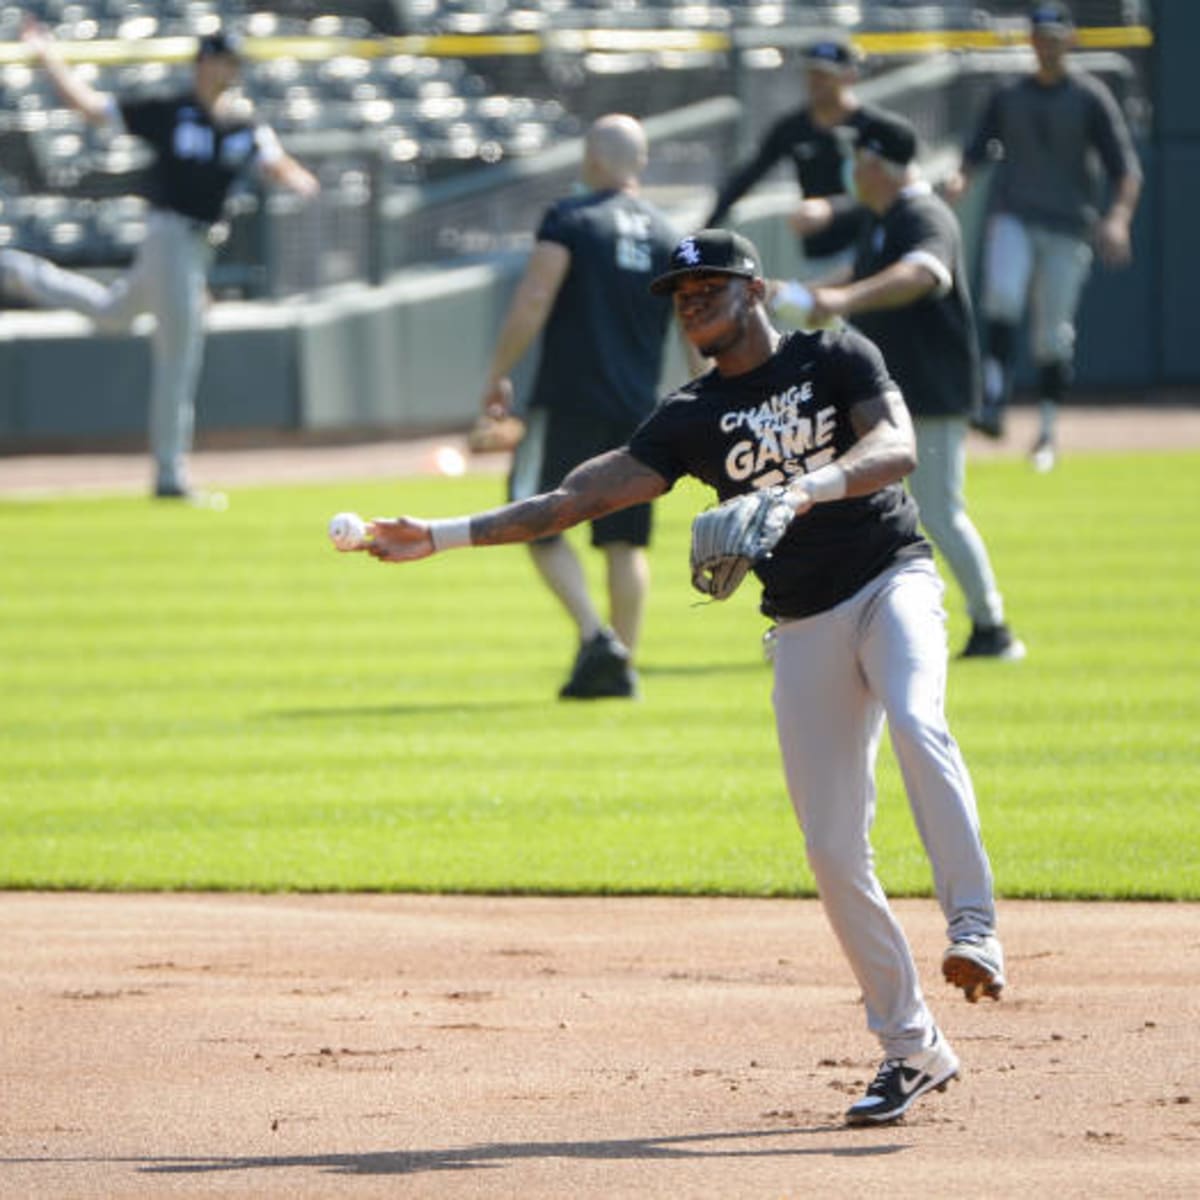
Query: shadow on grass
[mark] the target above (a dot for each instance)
(753, 666)
(463, 707)
(833, 1144)
(488, 703)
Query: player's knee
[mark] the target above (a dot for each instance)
(917, 732)
(1055, 344)
(833, 861)
(1003, 307)
(938, 522)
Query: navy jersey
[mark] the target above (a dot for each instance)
(196, 160)
(929, 345)
(602, 347)
(781, 420)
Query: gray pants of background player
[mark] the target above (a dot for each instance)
(1024, 264)
(881, 653)
(937, 487)
(167, 279)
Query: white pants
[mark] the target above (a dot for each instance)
(882, 653)
(1024, 264)
(937, 486)
(167, 279)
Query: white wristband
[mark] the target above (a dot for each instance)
(793, 302)
(451, 533)
(826, 483)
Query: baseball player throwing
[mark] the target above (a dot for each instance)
(201, 145)
(813, 417)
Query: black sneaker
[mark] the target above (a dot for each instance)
(989, 420)
(993, 641)
(602, 669)
(899, 1081)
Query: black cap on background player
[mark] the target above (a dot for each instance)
(213, 45)
(888, 135)
(838, 55)
(1051, 17)
(709, 252)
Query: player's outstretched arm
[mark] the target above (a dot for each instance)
(290, 173)
(603, 484)
(94, 106)
(885, 452)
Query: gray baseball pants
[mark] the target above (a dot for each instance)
(1026, 264)
(167, 279)
(937, 486)
(838, 675)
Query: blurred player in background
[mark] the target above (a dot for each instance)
(584, 291)
(201, 143)
(1055, 129)
(813, 138)
(908, 292)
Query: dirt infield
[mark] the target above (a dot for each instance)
(1082, 428)
(475, 1047)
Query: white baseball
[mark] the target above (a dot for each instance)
(347, 531)
(792, 303)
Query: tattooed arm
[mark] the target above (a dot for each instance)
(601, 485)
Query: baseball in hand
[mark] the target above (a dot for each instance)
(348, 531)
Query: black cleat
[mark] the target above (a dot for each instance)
(989, 420)
(993, 641)
(602, 670)
(900, 1081)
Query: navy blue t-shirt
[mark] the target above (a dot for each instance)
(768, 426)
(602, 348)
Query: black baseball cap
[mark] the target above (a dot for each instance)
(889, 135)
(213, 44)
(709, 252)
(1051, 17)
(833, 54)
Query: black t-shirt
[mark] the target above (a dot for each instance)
(783, 419)
(196, 160)
(602, 348)
(817, 155)
(929, 346)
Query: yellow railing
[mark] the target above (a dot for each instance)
(180, 49)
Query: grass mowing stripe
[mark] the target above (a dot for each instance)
(200, 700)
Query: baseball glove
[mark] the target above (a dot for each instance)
(731, 538)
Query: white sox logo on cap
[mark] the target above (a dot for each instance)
(715, 251)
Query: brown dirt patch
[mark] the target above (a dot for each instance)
(1082, 428)
(525, 1047)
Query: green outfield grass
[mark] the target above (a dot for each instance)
(200, 700)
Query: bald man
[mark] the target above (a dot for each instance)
(585, 291)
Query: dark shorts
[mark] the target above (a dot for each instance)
(555, 443)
